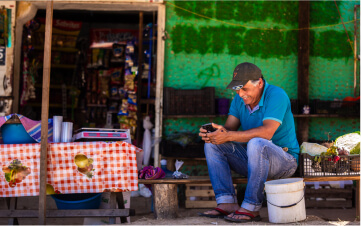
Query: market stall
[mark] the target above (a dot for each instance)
(48, 62)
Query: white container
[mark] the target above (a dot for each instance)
(285, 200)
(57, 123)
(66, 132)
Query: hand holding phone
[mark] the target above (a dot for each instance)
(209, 127)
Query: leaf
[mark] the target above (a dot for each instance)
(7, 177)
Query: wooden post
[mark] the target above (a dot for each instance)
(12, 204)
(160, 78)
(112, 205)
(120, 201)
(355, 57)
(357, 199)
(45, 111)
(165, 201)
(140, 72)
(303, 67)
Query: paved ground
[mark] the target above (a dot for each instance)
(144, 216)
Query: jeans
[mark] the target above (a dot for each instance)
(258, 160)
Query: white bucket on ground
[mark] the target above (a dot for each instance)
(285, 200)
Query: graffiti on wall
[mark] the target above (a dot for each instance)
(208, 73)
(248, 11)
(227, 38)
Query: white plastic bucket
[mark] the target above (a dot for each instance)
(285, 200)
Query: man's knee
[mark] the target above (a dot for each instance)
(213, 149)
(255, 146)
(208, 148)
(256, 143)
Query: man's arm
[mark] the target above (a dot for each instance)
(265, 131)
(232, 123)
(221, 136)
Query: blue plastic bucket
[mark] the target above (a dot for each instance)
(15, 134)
(77, 201)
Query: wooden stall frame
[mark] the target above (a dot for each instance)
(45, 111)
(29, 10)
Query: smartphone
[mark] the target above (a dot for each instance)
(209, 127)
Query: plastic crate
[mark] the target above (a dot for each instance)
(348, 165)
(327, 196)
(189, 101)
(337, 107)
(172, 149)
(201, 196)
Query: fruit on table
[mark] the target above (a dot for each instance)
(82, 161)
(84, 165)
(12, 184)
(15, 172)
(49, 189)
(6, 169)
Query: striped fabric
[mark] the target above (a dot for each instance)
(32, 127)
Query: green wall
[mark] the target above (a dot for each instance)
(205, 46)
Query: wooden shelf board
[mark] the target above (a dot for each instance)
(97, 105)
(59, 49)
(296, 116)
(50, 105)
(147, 101)
(65, 66)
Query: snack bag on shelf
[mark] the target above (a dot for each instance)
(123, 108)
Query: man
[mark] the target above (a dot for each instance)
(266, 148)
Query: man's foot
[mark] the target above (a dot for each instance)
(222, 210)
(243, 215)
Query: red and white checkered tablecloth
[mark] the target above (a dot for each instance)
(112, 167)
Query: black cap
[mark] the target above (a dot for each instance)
(243, 73)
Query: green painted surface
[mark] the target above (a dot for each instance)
(331, 128)
(203, 52)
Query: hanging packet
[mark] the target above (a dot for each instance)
(177, 174)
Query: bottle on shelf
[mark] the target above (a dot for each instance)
(163, 166)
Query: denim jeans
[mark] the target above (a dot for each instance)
(258, 160)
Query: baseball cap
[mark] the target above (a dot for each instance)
(243, 73)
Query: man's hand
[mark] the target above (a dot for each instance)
(219, 136)
(203, 133)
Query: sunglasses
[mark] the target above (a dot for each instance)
(237, 87)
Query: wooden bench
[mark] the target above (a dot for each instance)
(115, 198)
(166, 200)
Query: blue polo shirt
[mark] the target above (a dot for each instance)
(274, 105)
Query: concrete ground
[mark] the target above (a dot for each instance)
(144, 215)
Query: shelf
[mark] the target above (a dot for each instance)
(325, 116)
(65, 66)
(97, 105)
(295, 116)
(193, 116)
(59, 49)
(55, 86)
(147, 101)
(50, 105)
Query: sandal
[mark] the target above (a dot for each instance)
(253, 218)
(222, 214)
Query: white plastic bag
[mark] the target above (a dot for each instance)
(177, 174)
(147, 140)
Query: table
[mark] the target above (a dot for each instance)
(77, 167)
